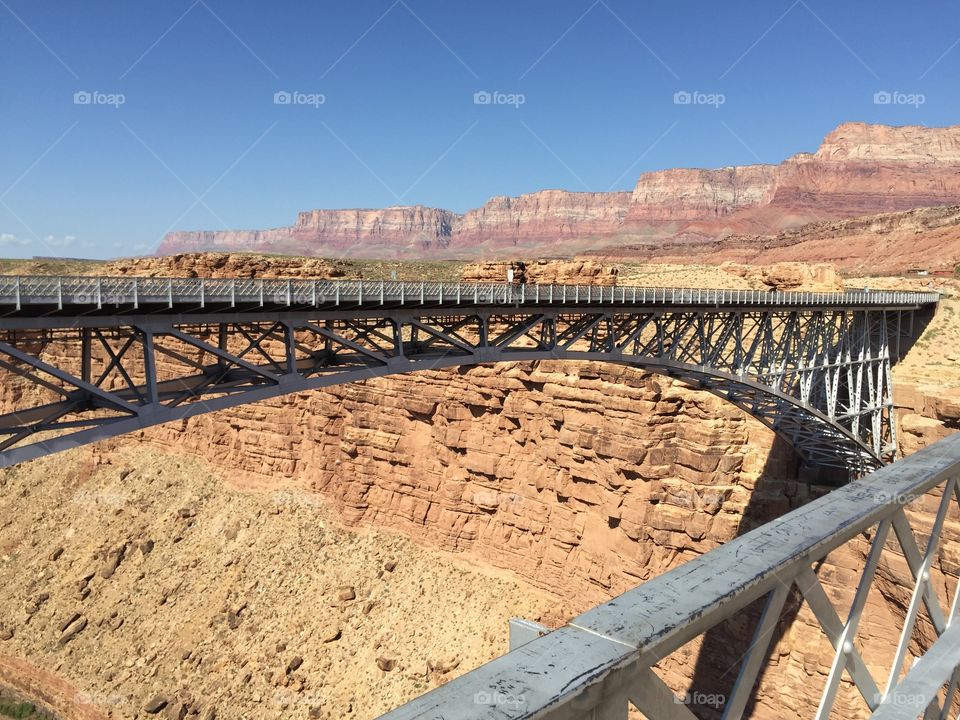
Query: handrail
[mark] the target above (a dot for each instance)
(604, 655)
(24, 291)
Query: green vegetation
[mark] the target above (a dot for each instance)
(20, 710)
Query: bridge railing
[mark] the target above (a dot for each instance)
(602, 660)
(131, 292)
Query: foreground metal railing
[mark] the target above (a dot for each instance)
(130, 292)
(601, 662)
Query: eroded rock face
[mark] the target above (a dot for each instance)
(791, 276)
(688, 194)
(217, 265)
(541, 220)
(858, 170)
(543, 272)
(386, 232)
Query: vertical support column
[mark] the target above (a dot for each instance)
(222, 337)
(484, 331)
(149, 366)
(85, 354)
(397, 337)
(290, 341)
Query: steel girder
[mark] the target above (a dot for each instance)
(818, 376)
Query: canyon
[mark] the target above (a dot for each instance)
(207, 566)
(859, 170)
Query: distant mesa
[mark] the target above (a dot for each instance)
(858, 170)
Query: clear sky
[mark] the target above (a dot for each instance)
(123, 120)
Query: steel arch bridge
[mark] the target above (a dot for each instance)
(86, 359)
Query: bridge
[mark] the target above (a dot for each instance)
(91, 358)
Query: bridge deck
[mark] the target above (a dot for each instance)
(47, 300)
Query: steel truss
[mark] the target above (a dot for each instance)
(817, 374)
(602, 661)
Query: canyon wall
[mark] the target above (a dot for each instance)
(388, 232)
(858, 170)
(923, 238)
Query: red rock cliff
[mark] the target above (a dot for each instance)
(859, 169)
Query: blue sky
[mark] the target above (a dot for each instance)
(182, 130)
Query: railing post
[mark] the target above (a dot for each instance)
(99, 293)
(136, 293)
(233, 292)
(170, 292)
(17, 286)
(313, 294)
(289, 292)
(261, 292)
(59, 294)
(336, 285)
(381, 292)
(421, 292)
(203, 294)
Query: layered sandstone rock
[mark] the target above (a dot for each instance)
(677, 195)
(356, 233)
(218, 265)
(791, 276)
(541, 220)
(859, 169)
(543, 272)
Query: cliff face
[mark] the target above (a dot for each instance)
(858, 170)
(676, 195)
(924, 238)
(388, 232)
(546, 220)
(394, 230)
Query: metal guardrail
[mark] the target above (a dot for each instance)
(23, 291)
(601, 661)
